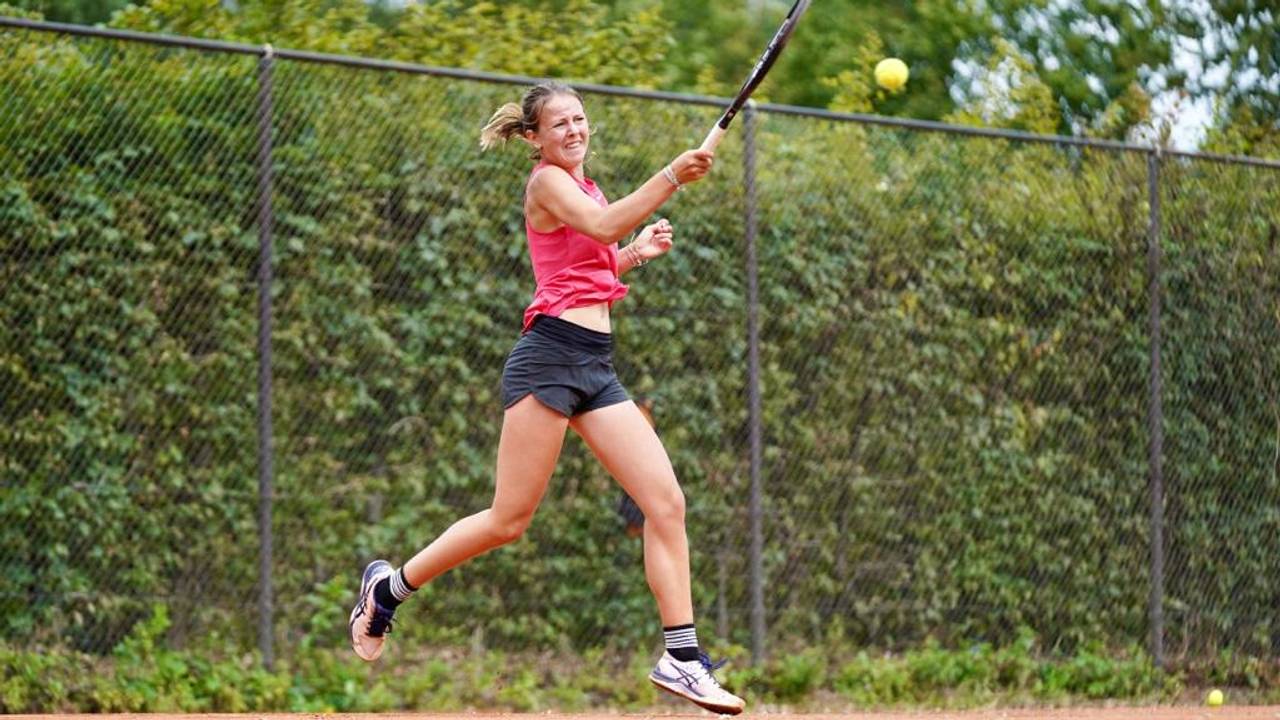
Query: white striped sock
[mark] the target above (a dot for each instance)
(400, 589)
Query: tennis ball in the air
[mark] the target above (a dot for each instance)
(891, 74)
(1214, 699)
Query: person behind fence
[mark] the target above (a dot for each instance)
(560, 375)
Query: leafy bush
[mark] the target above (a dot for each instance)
(1014, 674)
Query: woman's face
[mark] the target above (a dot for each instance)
(562, 132)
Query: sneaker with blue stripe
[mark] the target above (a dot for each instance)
(693, 681)
(370, 622)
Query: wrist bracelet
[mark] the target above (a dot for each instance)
(670, 175)
(636, 258)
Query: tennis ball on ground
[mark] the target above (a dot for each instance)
(1214, 699)
(891, 74)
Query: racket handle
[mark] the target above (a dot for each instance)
(713, 138)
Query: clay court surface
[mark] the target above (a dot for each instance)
(1090, 713)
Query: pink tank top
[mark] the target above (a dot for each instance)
(572, 270)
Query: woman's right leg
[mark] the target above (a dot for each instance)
(532, 435)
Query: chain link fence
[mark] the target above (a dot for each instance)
(919, 383)
(1221, 238)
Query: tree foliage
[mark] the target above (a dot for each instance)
(577, 42)
(1102, 62)
(84, 12)
(1241, 37)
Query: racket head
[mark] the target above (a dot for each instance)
(766, 61)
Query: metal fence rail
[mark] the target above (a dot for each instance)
(918, 380)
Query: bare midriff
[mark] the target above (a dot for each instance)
(593, 317)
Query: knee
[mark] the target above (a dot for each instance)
(667, 508)
(507, 528)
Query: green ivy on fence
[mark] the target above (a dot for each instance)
(955, 367)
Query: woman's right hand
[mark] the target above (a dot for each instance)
(692, 165)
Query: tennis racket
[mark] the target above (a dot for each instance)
(771, 53)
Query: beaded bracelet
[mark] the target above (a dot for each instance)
(670, 175)
(636, 258)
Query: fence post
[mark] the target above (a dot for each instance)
(265, 450)
(753, 386)
(1155, 413)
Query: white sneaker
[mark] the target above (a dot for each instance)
(370, 622)
(693, 681)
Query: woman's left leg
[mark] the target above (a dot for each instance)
(630, 450)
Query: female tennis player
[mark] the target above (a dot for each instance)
(560, 375)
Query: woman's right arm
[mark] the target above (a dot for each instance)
(555, 192)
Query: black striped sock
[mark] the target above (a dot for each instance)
(682, 642)
(391, 591)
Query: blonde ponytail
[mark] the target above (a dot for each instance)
(511, 120)
(506, 123)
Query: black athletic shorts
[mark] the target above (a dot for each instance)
(569, 368)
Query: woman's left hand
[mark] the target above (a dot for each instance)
(653, 240)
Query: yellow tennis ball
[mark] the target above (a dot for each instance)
(1215, 698)
(891, 74)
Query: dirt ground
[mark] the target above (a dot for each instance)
(1189, 712)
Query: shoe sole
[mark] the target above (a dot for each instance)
(366, 581)
(721, 709)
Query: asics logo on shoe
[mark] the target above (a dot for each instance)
(689, 680)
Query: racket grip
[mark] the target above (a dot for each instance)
(713, 138)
